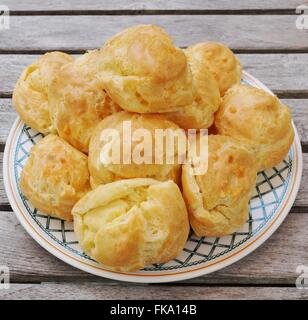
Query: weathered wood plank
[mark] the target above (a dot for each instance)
(299, 108)
(94, 291)
(302, 196)
(7, 117)
(283, 73)
(274, 262)
(241, 32)
(38, 5)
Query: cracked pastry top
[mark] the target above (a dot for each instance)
(128, 224)
(258, 119)
(144, 151)
(78, 101)
(144, 72)
(221, 62)
(217, 200)
(30, 96)
(55, 177)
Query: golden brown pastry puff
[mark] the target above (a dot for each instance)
(260, 120)
(78, 101)
(220, 60)
(199, 114)
(144, 72)
(217, 200)
(55, 177)
(129, 224)
(30, 96)
(115, 169)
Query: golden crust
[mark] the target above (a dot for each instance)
(55, 177)
(78, 100)
(221, 62)
(129, 224)
(199, 114)
(30, 96)
(217, 201)
(104, 173)
(144, 72)
(260, 120)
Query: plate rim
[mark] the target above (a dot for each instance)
(154, 278)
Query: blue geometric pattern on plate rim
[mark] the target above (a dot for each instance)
(199, 241)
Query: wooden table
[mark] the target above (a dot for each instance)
(264, 36)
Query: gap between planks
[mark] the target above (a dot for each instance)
(269, 283)
(36, 51)
(150, 12)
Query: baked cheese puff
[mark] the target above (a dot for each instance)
(30, 96)
(220, 60)
(258, 119)
(144, 72)
(128, 224)
(199, 114)
(217, 199)
(55, 177)
(78, 101)
(142, 158)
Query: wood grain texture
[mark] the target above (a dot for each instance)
(3, 198)
(97, 291)
(253, 32)
(46, 5)
(7, 118)
(274, 262)
(302, 196)
(283, 73)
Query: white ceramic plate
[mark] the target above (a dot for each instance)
(273, 197)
